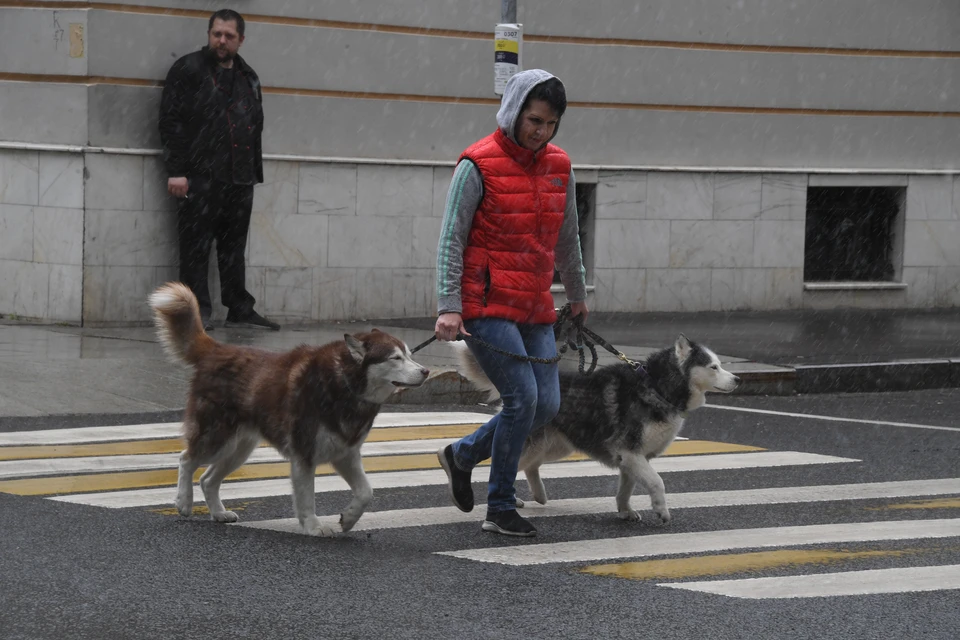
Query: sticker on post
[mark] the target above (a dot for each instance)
(508, 58)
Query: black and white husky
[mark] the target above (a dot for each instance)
(620, 416)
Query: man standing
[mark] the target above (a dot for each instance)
(211, 121)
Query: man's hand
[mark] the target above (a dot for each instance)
(448, 326)
(579, 309)
(177, 187)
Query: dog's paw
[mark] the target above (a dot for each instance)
(520, 503)
(224, 516)
(316, 528)
(184, 506)
(348, 520)
(630, 515)
(663, 516)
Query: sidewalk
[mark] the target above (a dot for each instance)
(57, 370)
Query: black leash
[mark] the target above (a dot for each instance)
(581, 339)
(579, 342)
(577, 337)
(422, 344)
(495, 349)
(572, 338)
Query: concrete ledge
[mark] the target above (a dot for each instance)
(443, 386)
(854, 286)
(903, 375)
(765, 381)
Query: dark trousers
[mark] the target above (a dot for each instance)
(215, 211)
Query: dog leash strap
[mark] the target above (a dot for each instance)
(515, 356)
(423, 344)
(579, 328)
(609, 347)
(489, 346)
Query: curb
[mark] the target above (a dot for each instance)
(445, 386)
(765, 381)
(901, 375)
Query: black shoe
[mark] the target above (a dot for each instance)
(207, 323)
(461, 492)
(250, 320)
(509, 523)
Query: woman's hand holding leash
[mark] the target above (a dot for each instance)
(579, 309)
(448, 326)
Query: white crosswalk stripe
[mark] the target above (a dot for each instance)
(419, 478)
(173, 429)
(848, 583)
(700, 542)
(82, 456)
(400, 518)
(52, 466)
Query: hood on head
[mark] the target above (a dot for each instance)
(514, 95)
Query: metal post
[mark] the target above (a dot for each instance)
(507, 45)
(508, 11)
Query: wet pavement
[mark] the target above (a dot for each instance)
(61, 370)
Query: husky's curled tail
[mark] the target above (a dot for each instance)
(470, 369)
(179, 326)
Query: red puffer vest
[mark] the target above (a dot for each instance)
(508, 262)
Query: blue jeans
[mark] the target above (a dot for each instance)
(531, 398)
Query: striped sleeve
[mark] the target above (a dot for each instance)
(463, 198)
(569, 258)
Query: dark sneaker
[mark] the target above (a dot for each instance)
(207, 323)
(509, 523)
(461, 492)
(250, 320)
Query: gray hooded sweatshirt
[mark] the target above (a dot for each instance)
(466, 192)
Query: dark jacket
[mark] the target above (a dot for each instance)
(208, 130)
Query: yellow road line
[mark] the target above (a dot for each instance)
(696, 447)
(175, 445)
(203, 510)
(168, 477)
(714, 565)
(935, 503)
(47, 451)
(96, 482)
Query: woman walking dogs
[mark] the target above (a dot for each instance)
(510, 218)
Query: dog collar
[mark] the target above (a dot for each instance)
(641, 369)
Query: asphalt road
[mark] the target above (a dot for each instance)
(72, 570)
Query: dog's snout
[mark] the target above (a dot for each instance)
(736, 379)
(424, 371)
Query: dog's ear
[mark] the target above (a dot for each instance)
(355, 347)
(682, 348)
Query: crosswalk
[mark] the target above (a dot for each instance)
(135, 467)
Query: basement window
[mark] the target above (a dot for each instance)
(853, 234)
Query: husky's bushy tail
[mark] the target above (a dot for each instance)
(470, 369)
(179, 326)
